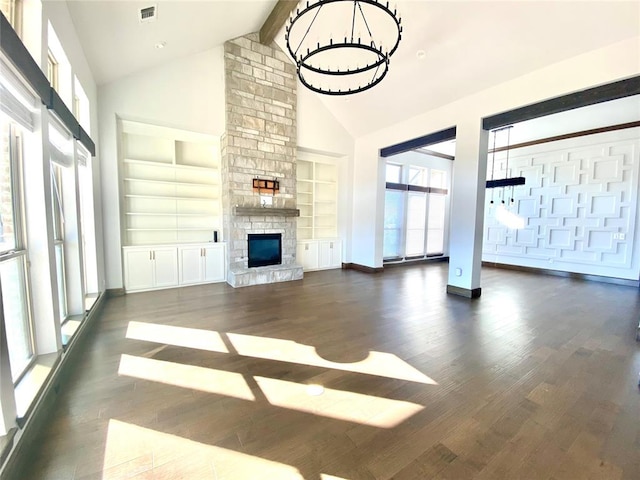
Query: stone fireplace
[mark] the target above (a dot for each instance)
(259, 142)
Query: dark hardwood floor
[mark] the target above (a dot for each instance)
(537, 379)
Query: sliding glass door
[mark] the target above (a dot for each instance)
(415, 212)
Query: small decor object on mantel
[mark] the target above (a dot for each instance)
(266, 186)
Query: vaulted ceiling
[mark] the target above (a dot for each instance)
(468, 45)
(117, 44)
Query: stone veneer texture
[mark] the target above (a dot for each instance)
(259, 141)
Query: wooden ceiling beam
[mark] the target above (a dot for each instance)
(276, 19)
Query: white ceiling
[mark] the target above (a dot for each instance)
(469, 45)
(473, 45)
(116, 44)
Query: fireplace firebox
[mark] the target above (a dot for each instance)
(265, 249)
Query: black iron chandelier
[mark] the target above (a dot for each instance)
(342, 47)
(506, 181)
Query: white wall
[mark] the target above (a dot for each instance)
(320, 132)
(577, 210)
(615, 62)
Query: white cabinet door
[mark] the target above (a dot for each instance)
(330, 254)
(191, 265)
(307, 255)
(336, 254)
(138, 269)
(166, 266)
(324, 258)
(214, 263)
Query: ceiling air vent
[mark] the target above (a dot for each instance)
(148, 14)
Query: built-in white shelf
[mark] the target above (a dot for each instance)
(160, 214)
(165, 229)
(317, 187)
(170, 165)
(171, 185)
(170, 197)
(166, 182)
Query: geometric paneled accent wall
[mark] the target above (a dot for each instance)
(577, 210)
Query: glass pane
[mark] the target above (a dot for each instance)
(391, 245)
(7, 7)
(393, 209)
(7, 216)
(438, 179)
(416, 221)
(393, 222)
(62, 295)
(418, 176)
(435, 232)
(16, 313)
(393, 173)
(56, 194)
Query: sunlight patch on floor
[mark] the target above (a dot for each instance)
(377, 363)
(132, 450)
(187, 376)
(178, 336)
(342, 405)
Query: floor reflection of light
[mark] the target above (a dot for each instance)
(188, 376)
(132, 450)
(179, 336)
(377, 363)
(349, 406)
(27, 389)
(509, 219)
(70, 327)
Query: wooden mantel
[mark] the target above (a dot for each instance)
(265, 211)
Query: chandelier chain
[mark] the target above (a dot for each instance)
(366, 24)
(353, 19)
(308, 30)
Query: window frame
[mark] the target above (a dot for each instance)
(407, 189)
(57, 210)
(14, 14)
(52, 69)
(20, 250)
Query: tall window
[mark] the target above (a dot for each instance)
(13, 254)
(52, 70)
(393, 223)
(415, 211)
(11, 9)
(393, 213)
(58, 236)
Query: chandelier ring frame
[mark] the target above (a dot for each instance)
(358, 89)
(303, 60)
(321, 3)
